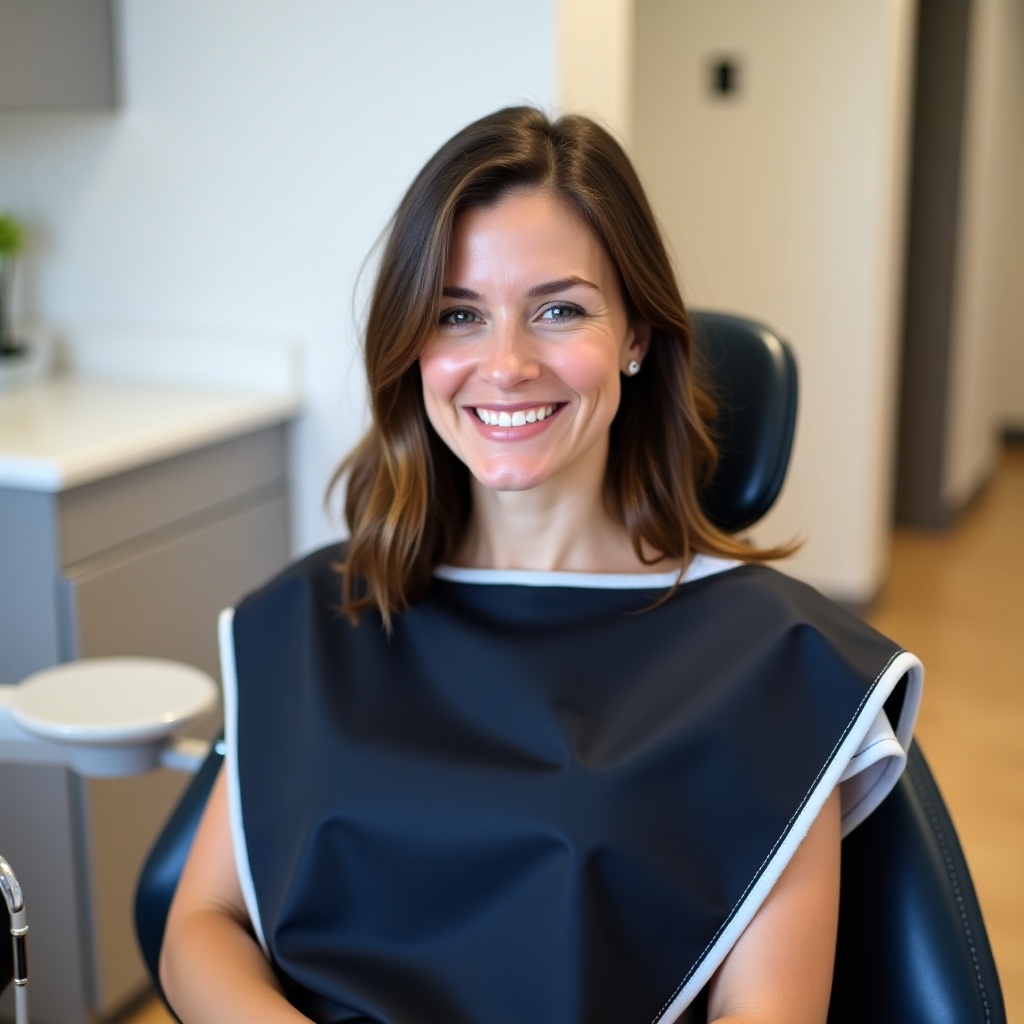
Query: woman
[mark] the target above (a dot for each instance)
(570, 754)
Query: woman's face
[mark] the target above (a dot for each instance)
(521, 375)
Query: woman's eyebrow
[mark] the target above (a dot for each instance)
(453, 291)
(547, 287)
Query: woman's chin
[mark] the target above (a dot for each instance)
(508, 483)
(517, 473)
(509, 477)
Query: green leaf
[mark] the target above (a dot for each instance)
(12, 237)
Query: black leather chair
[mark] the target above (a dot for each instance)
(912, 943)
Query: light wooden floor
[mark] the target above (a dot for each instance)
(957, 600)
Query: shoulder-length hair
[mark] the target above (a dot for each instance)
(408, 498)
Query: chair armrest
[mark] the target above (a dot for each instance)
(160, 874)
(912, 943)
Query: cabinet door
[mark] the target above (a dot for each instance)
(160, 600)
(56, 55)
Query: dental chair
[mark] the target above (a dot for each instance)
(912, 945)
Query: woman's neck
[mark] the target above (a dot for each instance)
(537, 529)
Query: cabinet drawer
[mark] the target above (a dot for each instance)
(162, 600)
(98, 516)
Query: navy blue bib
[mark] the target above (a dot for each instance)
(533, 804)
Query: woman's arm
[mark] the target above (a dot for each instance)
(211, 967)
(780, 970)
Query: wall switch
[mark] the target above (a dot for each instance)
(725, 76)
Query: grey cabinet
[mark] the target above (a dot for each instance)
(138, 563)
(57, 55)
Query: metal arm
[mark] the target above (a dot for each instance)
(19, 937)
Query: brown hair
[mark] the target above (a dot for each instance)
(408, 499)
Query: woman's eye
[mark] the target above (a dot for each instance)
(458, 317)
(561, 311)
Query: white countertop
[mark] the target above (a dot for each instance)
(61, 433)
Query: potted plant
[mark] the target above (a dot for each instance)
(26, 356)
(12, 241)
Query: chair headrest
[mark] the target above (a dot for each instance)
(754, 378)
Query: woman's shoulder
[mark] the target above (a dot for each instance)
(317, 573)
(762, 600)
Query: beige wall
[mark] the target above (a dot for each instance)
(787, 203)
(986, 391)
(595, 54)
(1008, 37)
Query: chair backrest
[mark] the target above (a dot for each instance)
(754, 374)
(912, 943)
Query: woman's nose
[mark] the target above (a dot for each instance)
(509, 357)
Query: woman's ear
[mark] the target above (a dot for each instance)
(637, 345)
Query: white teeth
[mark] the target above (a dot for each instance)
(518, 418)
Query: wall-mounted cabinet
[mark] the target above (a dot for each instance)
(57, 55)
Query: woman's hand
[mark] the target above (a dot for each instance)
(211, 967)
(780, 970)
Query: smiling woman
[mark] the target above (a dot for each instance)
(516, 231)
(571, 756)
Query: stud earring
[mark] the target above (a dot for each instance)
(632, 368)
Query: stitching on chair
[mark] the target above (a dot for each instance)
(940, 835)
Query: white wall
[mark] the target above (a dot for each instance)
(260, 148)
(787, 203)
